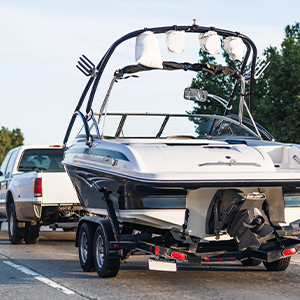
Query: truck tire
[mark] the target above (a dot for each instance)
(278, 265)
(251, 262)
(85, 247)
(16, 229)
(32, 232)
(105, 266)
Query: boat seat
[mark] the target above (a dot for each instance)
(276, 153)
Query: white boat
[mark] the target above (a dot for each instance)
(190, 178)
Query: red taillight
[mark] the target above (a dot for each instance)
(156, 250)
(232, 259)
(178, 255)
(37, 190)
(289, 251)
(206, 259)
(219, 259)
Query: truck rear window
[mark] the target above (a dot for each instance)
(42, 159)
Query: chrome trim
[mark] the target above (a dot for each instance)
(231, 163)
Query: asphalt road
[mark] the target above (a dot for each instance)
(51, 270)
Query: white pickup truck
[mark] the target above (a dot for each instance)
(35, 190)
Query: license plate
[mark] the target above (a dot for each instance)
(162, 265)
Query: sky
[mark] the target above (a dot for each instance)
(41, 41)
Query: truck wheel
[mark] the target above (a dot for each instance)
(85, 247)
(278, 265)
(251, 262)
(15, 229)
(105, 266)
(32, 232)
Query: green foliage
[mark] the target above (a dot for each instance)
(220, 85)
(9, 140)
(278, 94)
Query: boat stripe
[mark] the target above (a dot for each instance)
(40, 277)
(99, 152)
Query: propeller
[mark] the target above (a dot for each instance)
(258, 225)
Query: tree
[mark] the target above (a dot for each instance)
(278, 94)
(8, 140)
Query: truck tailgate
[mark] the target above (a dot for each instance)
(58, 189)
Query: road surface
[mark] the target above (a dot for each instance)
(51, 270)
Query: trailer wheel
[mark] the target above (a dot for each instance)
(15, 229)
(278, 265)
(251, 262)
(32, 232)
(105, 266)
(85, 247)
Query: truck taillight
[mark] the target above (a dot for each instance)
(38, 187)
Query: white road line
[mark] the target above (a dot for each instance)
(40, 278)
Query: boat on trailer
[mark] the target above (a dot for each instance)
(181, 187)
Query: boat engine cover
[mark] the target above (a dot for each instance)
(242, 217)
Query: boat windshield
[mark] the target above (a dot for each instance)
(182, 126)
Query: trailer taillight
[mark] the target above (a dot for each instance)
(37, 190)
(289, 251)
(219, 259)
(178, 255)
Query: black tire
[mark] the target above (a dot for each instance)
(278, 265)
(16, 229)
(105, 266)
(32, 232)
(251, 262)
(85, 247)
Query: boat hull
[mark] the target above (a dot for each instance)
(163, 204)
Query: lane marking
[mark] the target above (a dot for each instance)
(40, 277)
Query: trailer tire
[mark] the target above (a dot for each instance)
(278, 265)
(32, 232)
(105, 266)
(16, 229)
(85, 247)
(251, 262)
